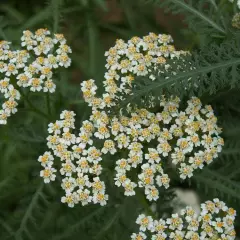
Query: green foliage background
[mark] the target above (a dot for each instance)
(30, 209)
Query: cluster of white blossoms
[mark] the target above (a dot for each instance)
(32, 67)
(145, 141)
(236, 21)
(189, 138)
(80, 166)
(137, 57)
(215, 222)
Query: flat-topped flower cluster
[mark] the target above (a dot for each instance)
(32, 67)
(216, 221)
(187, 137)
(126, 60)
(80, 167)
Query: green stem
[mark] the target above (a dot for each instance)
(145, 204)
(76, 102)
(3, 35)
(48, 104)
(36, 110)
(33, 108)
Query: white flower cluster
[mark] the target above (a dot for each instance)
(11, 95)
(137, 57)
(31, 67)
(236, 21)
(80, 166)
(189, 139)
(216, 221)
(147, 140)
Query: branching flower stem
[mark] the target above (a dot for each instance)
(32, 107)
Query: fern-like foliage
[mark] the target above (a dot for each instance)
(203, 16)
(204, 72)
(56, 7)
(28, 222)
(219, 185)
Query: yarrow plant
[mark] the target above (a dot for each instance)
(143, 139)
(31, 67)
(125, 61)
(236, 21)
(188, 138)
(80, 166)
(215, 221)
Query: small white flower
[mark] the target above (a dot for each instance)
(64, 60)
(55, 128)
(139, 236)
(152, 156)
(177, 235)
(10, 106)
(68, 184)
(164, 116)
(98, 186)
(68, 138)
(67, 115)
(100, 198)
(123, 140)
(49, 86)
(84, 196)
(3, 117)
(11, 70)
(48, 174)
(96, 169)
(145, 222)
(83, 165)
(94, 154)
(145, 180)
(4, 85)
(151, 193)
(82, 180)
(120, 179)
(197, 161)
(12, 93)
(129, 187)
(51, 61)
(109, 146)
(163, 180)
(177, 156)
(23, 80)
(71, 199)
(159, 226)
(185, 145)
(164, 148)
(46, 159)
(36, 84)
(185, 171)
(122, 165)
(218, 224)
(68, 168)
(175, 222)
(102, 132)
(220, 205)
